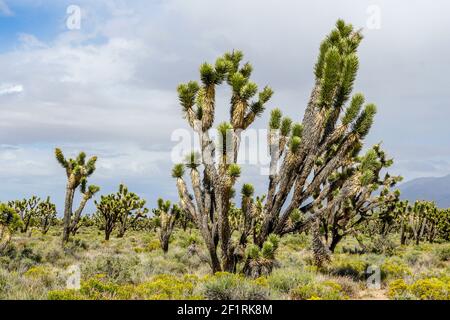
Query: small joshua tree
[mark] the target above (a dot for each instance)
(9, 222)
(46, 213)
(423, 220)
(132, 208)
(260, 261)
(350, 200)
(166, 215)
(121, 210)
(107, 214)
(77, 171)
(27, 210)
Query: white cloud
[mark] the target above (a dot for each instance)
(109, 88)
(6, 89)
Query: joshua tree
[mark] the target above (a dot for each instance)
(108, 211)
(9, 222)
(167, 215)
(27, 210)
(260, 262)
(132, 208)
(46, 212)
(122, 209)
(303, 155)
(423, 221)
(77, 171)
(350, 199)
(87, 195)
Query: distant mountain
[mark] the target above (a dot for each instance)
(433, 189)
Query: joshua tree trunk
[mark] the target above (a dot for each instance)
(67, 213)
(5, 237)
(77, 215)
(336, 238)
(402, 232)
(321, 252)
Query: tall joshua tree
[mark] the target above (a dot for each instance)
(77, 171)
(303, 155)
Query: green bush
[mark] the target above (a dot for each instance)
(284, 280)
(443, 253)
(423, 289)
(431, 289)
(227, 286)
(167, 287)
(394, 267)
(326, 290)
(119, 269)
(349, 266)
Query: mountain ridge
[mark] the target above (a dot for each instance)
(435, 189)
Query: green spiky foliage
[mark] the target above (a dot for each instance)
(213, 183)
(303, 155)
(261, 261)
(422, 221)
(331, 133)
(10, 221)
(107, 214)
(356, 193)
(132, 208)
(27, 210)
(46, 213)
(166, 215)
(78, 170)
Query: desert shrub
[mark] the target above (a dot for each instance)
(53, 255)
(227, 286)
(412, 257)
(29, 253)
(443, 253)
(397, 288)
(67, 294)
(167, 287)
(349, 266)
(284, 280)
(41, 273)
(119, 269)
(326, 290)
(295, 241)
(349, 287)
(160, 287)
(431, 289)
(153, 245)
(79, 243)
(423, 289)
(382, 245)
(394, 267)
(157, 263)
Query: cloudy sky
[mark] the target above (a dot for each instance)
(108, 87)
